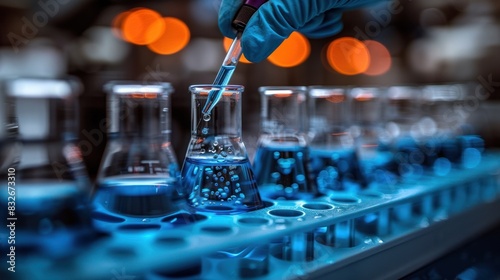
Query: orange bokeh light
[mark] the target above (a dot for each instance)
(227, 43)
(117, 23)
(174, 38)
(348, 56)
(142, 26)
(380, 61)
(292, 52)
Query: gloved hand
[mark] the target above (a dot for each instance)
(275, 20)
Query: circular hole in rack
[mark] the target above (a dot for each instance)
(254, 221)
(345, 199)
(139, 227)
(183, 219)
(289, 213)
(317, 206)
(106, 218)
(122, 252)
(217, 229)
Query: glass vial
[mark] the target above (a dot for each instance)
(333, 162)
(216, 174)
(50, 189)
(139, 175)
(282, 154)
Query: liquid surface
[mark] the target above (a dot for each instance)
(139, 196)
(226, 187)
(281, 171)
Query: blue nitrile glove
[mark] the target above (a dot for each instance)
(275, 20)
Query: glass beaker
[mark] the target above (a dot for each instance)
(216, 173)
(372, 140)
(282, 153)
(47, 187)
(139, 174)
(333, 162)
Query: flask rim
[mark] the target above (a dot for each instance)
(277, 90)
(210, 87)
(42, 87)
(131, 87)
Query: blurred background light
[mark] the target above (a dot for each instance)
(203, 55)
(292, 52)
(117, 23)
(174, 38)
(348, 56)
(380, 58)
(143, 26)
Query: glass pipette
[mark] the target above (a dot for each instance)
(225, 72)
(233, 54)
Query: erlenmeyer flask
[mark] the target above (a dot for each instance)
(216, 174)
(48, 189)
(139, 175)
(372, 140)
(282, 153)
(333, 162)
(402, 111)
(443, 125)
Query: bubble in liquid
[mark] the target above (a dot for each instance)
(206, 117)
(204, 130)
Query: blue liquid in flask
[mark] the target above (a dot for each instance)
(378, 170)
(135, 196)
(226, 186)
(52, 218)
(335, 170)
(281, 171)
